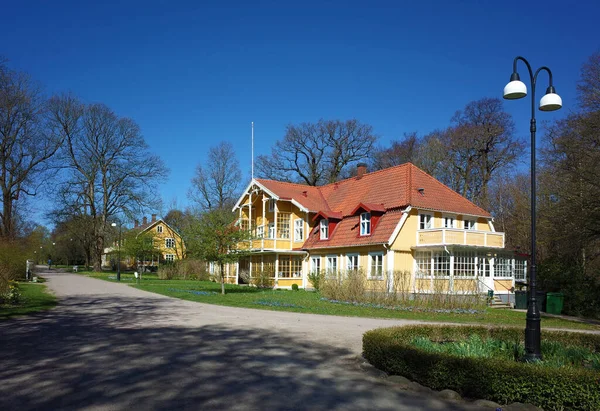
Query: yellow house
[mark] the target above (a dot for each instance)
(392, 221)
(165, 238)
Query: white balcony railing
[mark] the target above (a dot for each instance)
(454, 236)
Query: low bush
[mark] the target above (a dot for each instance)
(294, 287)
(187, 269)
(394, 350)
(392, 290)
(263, 278)
(316, 279)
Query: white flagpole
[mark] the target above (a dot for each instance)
(252, 150)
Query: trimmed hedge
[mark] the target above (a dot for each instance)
(501, 381)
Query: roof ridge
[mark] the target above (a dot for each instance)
(286, 182)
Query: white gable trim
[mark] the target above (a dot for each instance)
(405, 214)
(247, 192)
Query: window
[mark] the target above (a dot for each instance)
(441, 264)
(520, 270)
(169, 258)
(272, 205)
(244, 224)
(464, 264)
(298, 230)
(448, 222)
(423, 262)
(290, 266)
(315, 264)
(283, 225)
(365, 224)
(170, 242)
(376, 265)
(331, 265)
(324, 225)
(260, 231)
(352, 262)
(425, 221)
(502, 267)
(271, 230)
(159, 228)
(470, 224)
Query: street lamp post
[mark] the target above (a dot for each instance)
(118, 252)
(551, 101)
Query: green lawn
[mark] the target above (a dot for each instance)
(35, 297)
(311, 302)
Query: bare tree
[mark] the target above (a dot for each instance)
(588, 87)
(110, 170)
(216, 185)
(317, 153)
(25, 145)
(400, 151)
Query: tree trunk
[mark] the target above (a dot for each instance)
(222, 278)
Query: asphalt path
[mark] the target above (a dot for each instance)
(108, 346)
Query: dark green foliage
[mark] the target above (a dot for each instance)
(502, 381)
(316, 279)
(295, 287)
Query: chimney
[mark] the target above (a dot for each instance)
(361, 169)
(153, 218)
(145, 220)
(136, 223)
(305, 193)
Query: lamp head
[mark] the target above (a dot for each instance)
(551, 101)
(515, 89)
(113, 224)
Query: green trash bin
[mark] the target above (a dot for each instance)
(554, 303)
(520, 300)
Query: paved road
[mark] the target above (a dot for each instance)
(109, 346)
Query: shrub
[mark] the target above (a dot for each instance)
(12, 264)
(316, 279)
(503, 381)
(295, 287)
(263, 278)
(187, 269)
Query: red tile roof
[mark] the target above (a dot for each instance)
(384, 190)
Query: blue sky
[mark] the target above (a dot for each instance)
(192, 74)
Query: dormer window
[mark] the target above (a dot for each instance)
(272, 205)
(324, 229)
(365, 224)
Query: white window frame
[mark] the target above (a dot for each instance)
(159, 228)
(470, 224)
(365, 223)
(423, 259)
(315, 264)
(331, 265)
(168, 241)
(372, 258)
(324, 229)
(272, 204)
(260, 231)
(170, 257)
(352, 262)
(425, 221)
(271, 231)
(298, 230)
(449, 221)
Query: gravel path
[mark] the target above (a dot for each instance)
(108, 346)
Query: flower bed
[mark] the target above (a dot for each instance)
(394, 351)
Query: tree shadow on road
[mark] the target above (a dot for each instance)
(80, 355)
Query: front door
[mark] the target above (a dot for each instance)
(485, 275)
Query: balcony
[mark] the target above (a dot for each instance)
(453, 236)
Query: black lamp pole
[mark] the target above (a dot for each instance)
(533, 319)
(119, 255)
